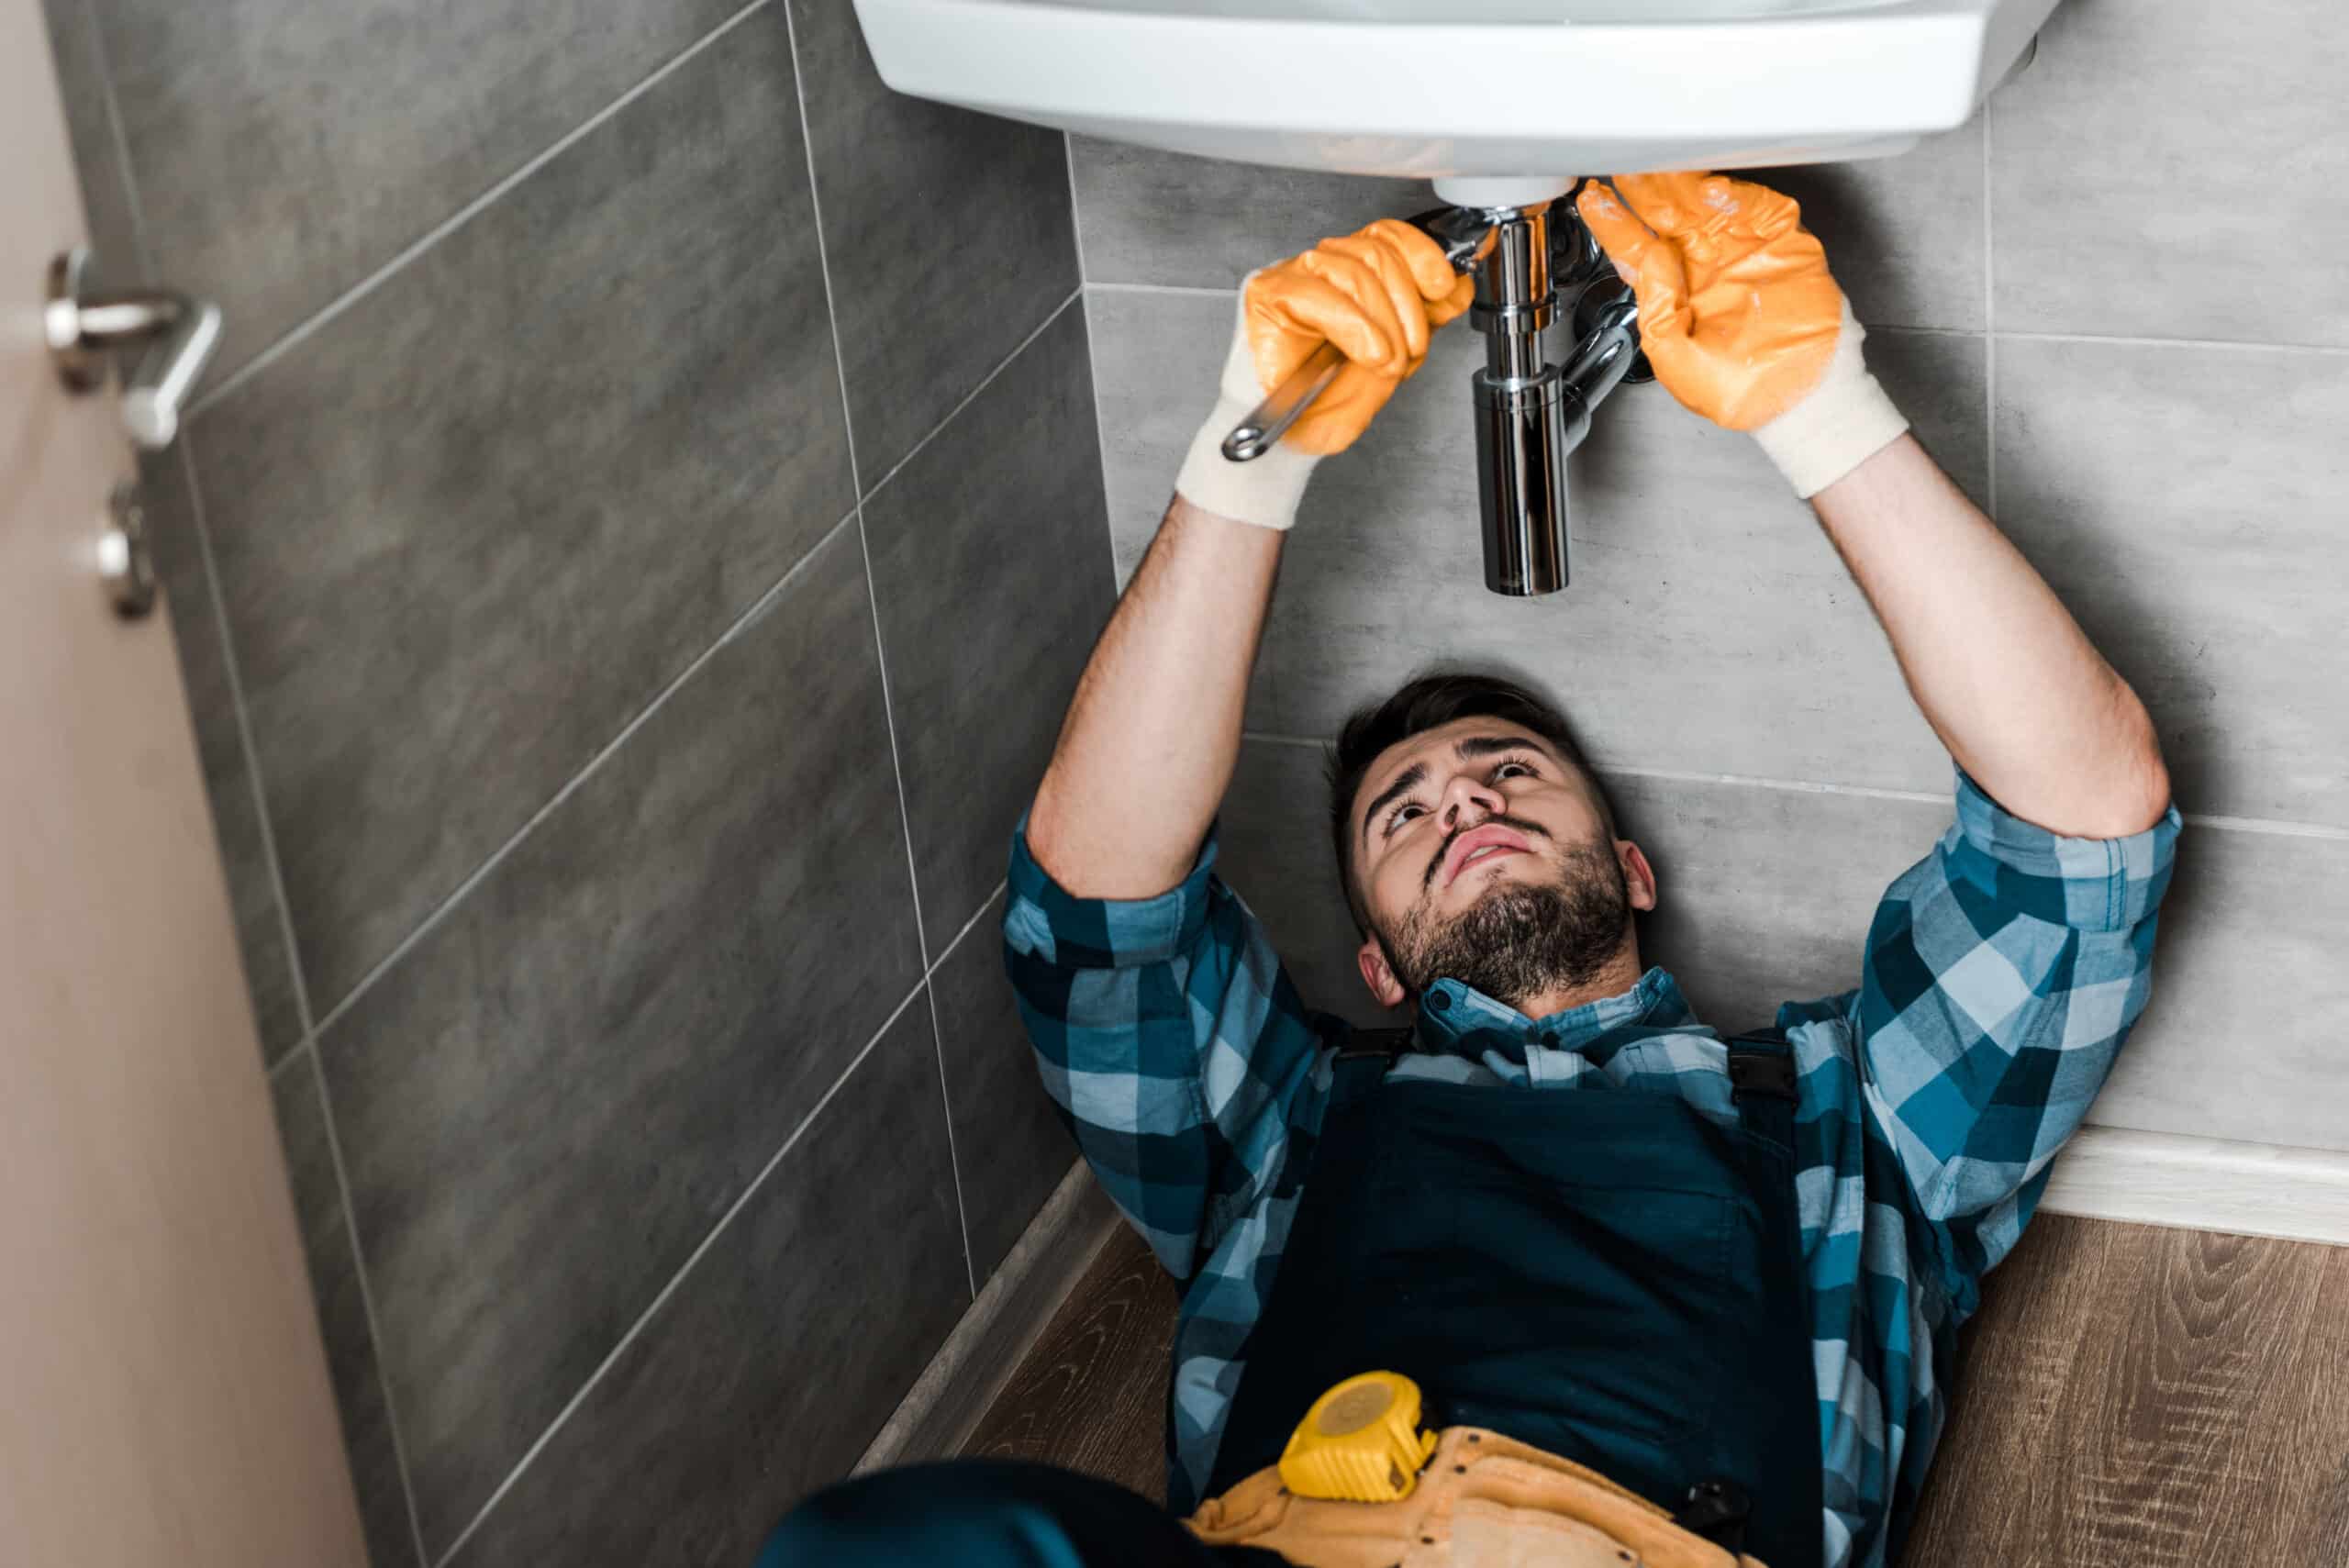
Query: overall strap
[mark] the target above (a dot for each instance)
(1762, 1084)
(1361, 1066)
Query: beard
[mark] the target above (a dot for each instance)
(1521, 939)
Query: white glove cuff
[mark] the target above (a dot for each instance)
(1265, 491)
(1845, 420)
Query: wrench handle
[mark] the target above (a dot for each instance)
(1269, 420)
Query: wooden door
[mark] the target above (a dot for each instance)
(164, 1392)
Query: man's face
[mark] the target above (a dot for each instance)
(1482, 854)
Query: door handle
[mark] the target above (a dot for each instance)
(84, 328)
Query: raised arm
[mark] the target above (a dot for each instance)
(2002, 672)
(1154, 731)
(1148, 744)
(1745, 324)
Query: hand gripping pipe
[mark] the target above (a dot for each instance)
(1529, 413)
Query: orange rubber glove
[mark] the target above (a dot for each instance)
(1742, 320)
(1378, 294)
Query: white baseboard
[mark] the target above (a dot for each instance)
(2202, 1184)
(944, 1406)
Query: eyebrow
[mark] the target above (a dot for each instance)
(1467, 749)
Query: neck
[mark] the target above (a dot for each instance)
(1619, 974)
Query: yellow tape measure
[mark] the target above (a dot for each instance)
(1361, 1441)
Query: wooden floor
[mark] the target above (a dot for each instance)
(2129, 1397)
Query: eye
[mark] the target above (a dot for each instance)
(1530, 772)
(1395, 816)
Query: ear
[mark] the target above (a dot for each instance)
(1638, 877)
(1383, 987)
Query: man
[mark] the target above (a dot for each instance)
(1724, 1275)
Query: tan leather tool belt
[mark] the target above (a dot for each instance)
(1483, 1501)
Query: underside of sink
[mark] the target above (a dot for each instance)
(1497, 100)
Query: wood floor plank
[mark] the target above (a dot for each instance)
(2150, 1396)
(2013, 1361)
(1092, 1396)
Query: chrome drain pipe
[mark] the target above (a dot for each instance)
(1529, 414)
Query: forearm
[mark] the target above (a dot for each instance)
(1153, 734)
(2000, 670)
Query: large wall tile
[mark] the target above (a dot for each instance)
(764, 1376)
(1904, 235)
(284, 150)
(553, 1095)
(1010, 1147)
(172, 526)
(1146, 216)
(477, 523)
(2192, 506)
(947, 234)
(2241, 1039)
(1767, 894)
(1710, 627)
(342, 1316)
(2166, 167)
(990, 570)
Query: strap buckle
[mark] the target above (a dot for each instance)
(1717, 1509)
(1384, 1043)
(1752, 1070)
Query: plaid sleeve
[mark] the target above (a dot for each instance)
(1172, 1040)
(2003, 972)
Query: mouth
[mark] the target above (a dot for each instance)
(1479, 845)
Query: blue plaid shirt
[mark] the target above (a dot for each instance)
(2001, 975)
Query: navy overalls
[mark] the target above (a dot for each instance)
(1613, 1277)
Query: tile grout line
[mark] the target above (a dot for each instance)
(1193, 291)
(948, 951)
(1092, 356)
(219, 609)
(474, 878)
(914, 450)
(872, 608)
(1784, 786)
(1989, 329)
(946, 1115)
(310, 326)
(2239, 344)
(144, 255)
(611, 1357)
(1894, 330)
(2273, 827)
(366, 1298)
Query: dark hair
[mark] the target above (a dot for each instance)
(1424, 703)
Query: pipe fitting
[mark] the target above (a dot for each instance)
(1529, 414)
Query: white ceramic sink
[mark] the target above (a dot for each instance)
(1495, 100)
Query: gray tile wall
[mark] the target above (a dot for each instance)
(2113, 307)
(628, 565)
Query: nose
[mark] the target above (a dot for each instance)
(1467, 801)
